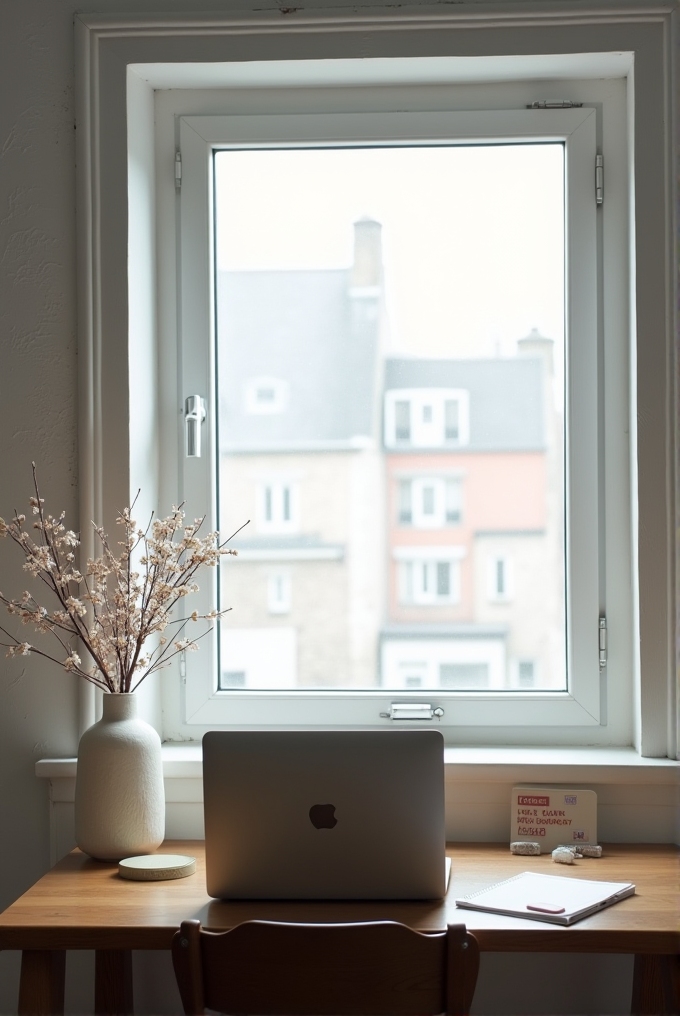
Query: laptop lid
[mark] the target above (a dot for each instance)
(324, 814)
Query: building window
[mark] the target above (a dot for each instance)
(427, 418)
(429, 502)
(233, 678)
(279, 593)
(500, 579)
(429, 582)
(266, 395)
(526, 674)
(277, 507)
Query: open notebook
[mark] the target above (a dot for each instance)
(553, 898)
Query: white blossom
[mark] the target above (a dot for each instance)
(125, 600)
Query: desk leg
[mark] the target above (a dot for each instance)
(656, 985)
(41, 988)
(113, 982)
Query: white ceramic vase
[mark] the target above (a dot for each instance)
(120, 800)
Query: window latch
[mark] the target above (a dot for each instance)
(562, 104)
(413, 711)
(194, 415)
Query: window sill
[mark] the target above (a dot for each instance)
(475, 765)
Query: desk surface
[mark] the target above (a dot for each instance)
(84, 904)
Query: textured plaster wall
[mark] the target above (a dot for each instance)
(37, 400)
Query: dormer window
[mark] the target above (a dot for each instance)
(427, 418)
(266, 395)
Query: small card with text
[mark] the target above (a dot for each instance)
(553, 815)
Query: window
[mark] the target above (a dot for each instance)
(525, 674)
(652, 287)
(266, 395)
(277, 507)
(490, 411)
(426, 418)
(279, 593)
(429, 503)
(500, 579)
(428, 582)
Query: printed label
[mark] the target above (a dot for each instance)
(553, 815)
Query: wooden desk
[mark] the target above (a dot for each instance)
(84, 904)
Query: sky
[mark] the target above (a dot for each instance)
(473, 236)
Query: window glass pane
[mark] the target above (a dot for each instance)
(402, 418)
(387, 354)
(405, 514)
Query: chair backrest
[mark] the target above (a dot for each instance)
(266, 968)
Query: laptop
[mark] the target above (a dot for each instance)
(324, 814)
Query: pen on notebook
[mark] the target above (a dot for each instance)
(546, 908)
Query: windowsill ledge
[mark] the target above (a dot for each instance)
(468, 764)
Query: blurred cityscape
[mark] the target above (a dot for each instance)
(407, 514)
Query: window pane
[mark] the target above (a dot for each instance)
(443, 579)
(402, 418)
(405, 513)
(386, 355)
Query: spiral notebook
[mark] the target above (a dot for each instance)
(554, 898)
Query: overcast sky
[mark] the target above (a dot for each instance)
(473, 243)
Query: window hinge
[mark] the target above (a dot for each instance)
(178, 169)
(183, 666)
(599, 179)
(562, 104)
(413, 711)
(603, 642)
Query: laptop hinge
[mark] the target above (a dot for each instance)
(413, 711)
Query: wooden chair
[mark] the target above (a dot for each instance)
(267, 968)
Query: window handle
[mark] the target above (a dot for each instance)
(413, 711)
(194, 415)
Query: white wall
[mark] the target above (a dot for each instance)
(38, 380)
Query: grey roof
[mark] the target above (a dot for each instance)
(304, 328)
(506, 396)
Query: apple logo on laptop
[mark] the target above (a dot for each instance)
(322, 816)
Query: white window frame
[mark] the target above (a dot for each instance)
(119, 320)
(421, 434)
(198, 137)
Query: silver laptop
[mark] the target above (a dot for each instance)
(324, 814)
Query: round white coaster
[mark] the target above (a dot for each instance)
(156, 867)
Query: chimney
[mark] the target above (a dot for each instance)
(535, 344)
(367, 267)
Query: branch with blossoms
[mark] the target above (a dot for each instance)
(121, 603)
